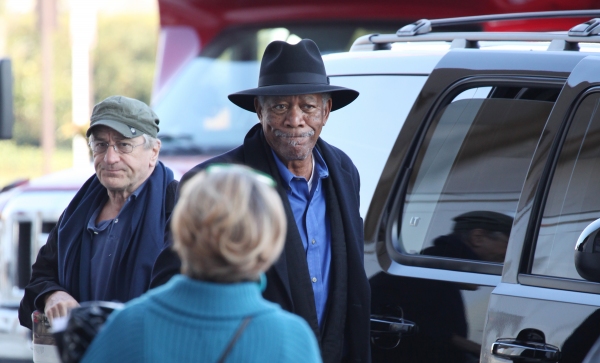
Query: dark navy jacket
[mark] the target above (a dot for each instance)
(67, 255)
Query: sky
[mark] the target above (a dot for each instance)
(107, 6)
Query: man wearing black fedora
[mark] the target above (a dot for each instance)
(320, 274)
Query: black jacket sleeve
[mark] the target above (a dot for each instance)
(167, 264)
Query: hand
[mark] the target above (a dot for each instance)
(58, 304)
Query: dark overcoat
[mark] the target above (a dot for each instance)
(346, 329)
(130, 275)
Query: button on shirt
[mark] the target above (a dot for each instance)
(105, 244)
(307, 201)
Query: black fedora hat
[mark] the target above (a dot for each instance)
(293, 69)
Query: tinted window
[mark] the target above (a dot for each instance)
(573, 201)
(468, 174)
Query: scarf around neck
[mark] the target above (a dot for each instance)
(138, 247)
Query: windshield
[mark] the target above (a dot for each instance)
(196, 117)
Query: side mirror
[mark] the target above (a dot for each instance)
(6, 99)
(587, 252)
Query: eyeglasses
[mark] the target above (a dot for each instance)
(258, 175)
(100, 147)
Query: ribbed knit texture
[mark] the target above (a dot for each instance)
(187, 320)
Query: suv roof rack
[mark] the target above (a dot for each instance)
(421, 31)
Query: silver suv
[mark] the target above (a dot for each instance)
(479, 156)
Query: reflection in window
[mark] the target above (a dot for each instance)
(468, 175)
(573, 201)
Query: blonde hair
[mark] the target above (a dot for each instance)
(228, 225)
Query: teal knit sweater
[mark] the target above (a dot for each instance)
(187, 320)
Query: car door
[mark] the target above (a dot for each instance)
(543, 308)
(439, 223)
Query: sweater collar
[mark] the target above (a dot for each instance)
(212, 299)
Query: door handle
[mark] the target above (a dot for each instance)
(525, 351)
(386, 331)
(385, 325)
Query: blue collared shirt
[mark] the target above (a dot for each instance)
(105, 243)
(309, 211)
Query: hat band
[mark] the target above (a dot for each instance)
(292, 78)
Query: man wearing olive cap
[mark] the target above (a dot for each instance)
(320, 274)
(107, 239)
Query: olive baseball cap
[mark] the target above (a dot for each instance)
(128, 116)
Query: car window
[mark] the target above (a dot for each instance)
(367, 128)
(573, 201)
(468, 174)
(196, 117)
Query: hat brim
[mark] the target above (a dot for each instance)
(340, 96)
(119, 127)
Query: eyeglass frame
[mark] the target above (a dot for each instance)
(114, 146)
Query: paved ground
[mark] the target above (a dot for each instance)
(14, 348)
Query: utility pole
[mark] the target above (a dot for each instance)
(83, 34)
(47, 24)
(3, 21)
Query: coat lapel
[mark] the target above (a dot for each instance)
(346, 183)
(335, 321)
(259, 156)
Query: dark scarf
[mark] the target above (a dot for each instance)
(138, 247)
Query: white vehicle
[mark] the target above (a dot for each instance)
(24, 228)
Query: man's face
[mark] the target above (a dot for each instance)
(490, 246)
(120, 172)
(292, 124)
